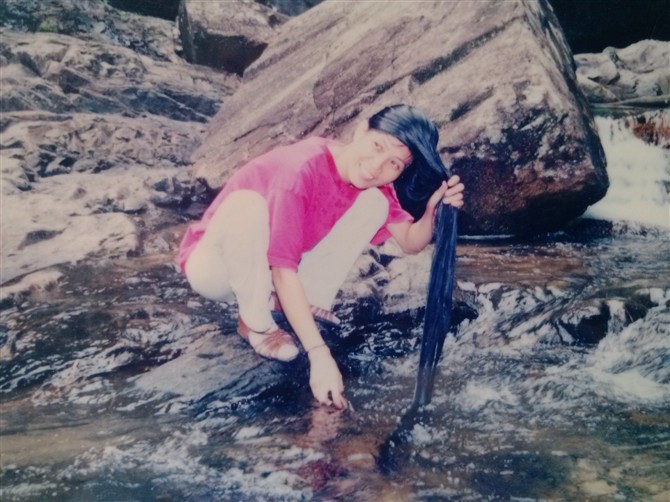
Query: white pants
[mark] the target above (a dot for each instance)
(230, 261)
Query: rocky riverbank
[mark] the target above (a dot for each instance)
(116, 379)
(101, 118)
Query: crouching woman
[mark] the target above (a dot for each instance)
(288, 226)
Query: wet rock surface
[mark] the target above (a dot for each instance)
(58, 73)
(94, 21)
(128, 349)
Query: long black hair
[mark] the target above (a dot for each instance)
(425, 173)
(414, 187)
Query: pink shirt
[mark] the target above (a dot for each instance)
(305, 196)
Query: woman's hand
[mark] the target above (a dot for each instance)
(325, 378)
(454, 194)
(413, 237)
(450, 192)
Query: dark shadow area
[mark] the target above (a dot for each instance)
(593, 25)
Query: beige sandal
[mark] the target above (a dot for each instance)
(276, 344)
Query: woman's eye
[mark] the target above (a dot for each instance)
(378, 145)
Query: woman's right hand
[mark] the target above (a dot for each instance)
(325, 378)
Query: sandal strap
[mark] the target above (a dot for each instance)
(271, 342)
(242, 329)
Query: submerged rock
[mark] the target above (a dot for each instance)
(497, 78)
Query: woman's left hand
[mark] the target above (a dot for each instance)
(450, 192)
(413, 237)
(454, 193)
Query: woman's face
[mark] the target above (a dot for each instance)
(375, 158)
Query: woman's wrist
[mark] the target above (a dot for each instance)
(318, 349)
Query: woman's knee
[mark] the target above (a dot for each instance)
(207, 273)
(237, 231)
(373, 206)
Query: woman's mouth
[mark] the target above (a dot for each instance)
(366, 175)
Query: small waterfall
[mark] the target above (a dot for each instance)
(638, 164)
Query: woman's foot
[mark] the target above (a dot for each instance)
(273, 344)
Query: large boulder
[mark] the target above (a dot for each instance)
(226, 35)
(497, 77)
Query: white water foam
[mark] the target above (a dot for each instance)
(495, 370)
(639, 176)
(176, 462)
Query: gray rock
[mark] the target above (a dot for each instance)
(640, 72)
(94, 21)
(226, 35)
(43, 144)
(58, 73)
(63, 76)
(497, 78)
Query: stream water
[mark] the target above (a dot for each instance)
(118, 383)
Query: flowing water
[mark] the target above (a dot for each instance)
(118, 383)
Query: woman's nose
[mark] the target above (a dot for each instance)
(376, 164)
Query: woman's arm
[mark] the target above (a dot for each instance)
(413, 237)
(325, 377)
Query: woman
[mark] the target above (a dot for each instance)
(295, 219)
